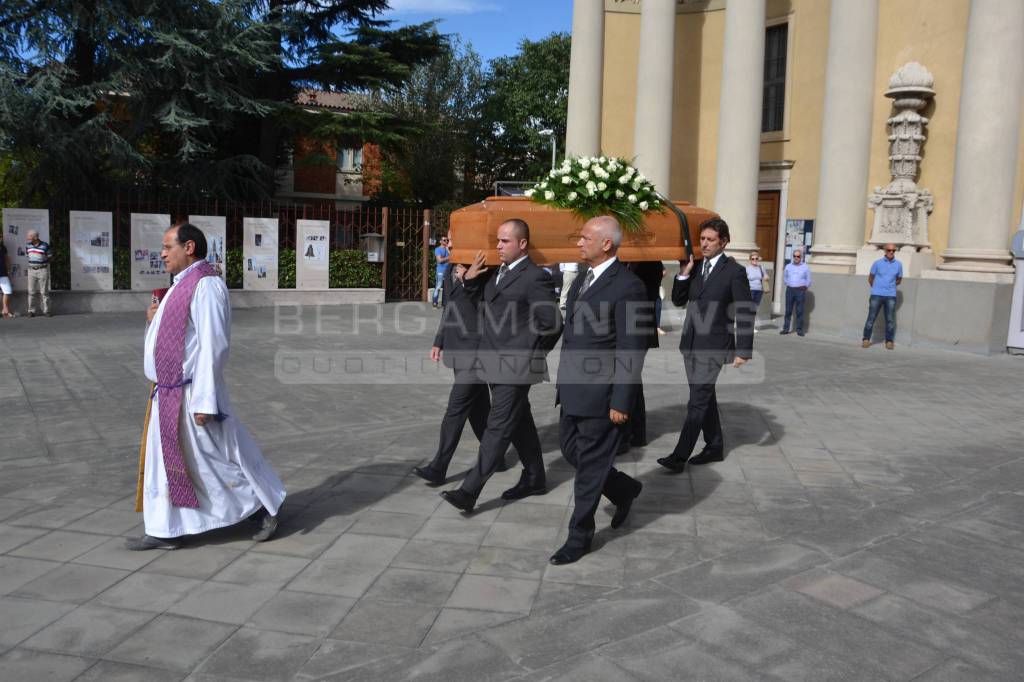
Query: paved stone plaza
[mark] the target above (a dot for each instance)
(867, 524)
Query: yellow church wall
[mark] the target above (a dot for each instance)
(933, 34)
(621, 59)
(908, 30)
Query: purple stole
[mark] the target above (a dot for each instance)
(170, 356)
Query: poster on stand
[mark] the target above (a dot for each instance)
(312, 256)
(259, 253)
(92, 250)
(148, 270)
(17, 224)
(215, 229)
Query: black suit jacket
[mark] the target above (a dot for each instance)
(719, 313)
(518, 322)
(603, 344)
(649, 273)
(457, 332)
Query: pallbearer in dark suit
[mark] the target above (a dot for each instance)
(650, 274)
(518, 322)
(719, 329)
(455, 344)
(603, 346)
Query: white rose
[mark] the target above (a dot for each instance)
(603, 160)
(566, 180)
(584, 175)
(631, 198)
(640, 177)
(572, 196)
(544, 185)
(590, 192)
(623, 180)
(636, 186)
(549, 195)
(553, 174)
(591, 186)
(619, 194)
(529, 193)
(602, 186)
(585, 162)
(643, 205)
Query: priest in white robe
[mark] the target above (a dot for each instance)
(211, 473)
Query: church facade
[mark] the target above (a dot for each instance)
(838, 125)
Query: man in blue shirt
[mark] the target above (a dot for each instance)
(885, 276)
(441, 255)
(797, 276)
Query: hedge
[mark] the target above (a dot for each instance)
(348, 269)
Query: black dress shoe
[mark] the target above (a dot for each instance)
(784, 331)
(459, 499)
(622, 511)
(707, 456)
(673, 463)
(429, 474)
(525, 488)
(569, 555)
(149, 542)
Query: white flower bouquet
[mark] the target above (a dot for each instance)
(592, 186)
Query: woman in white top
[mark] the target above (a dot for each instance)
(757, 278)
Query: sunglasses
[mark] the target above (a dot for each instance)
(890, 250)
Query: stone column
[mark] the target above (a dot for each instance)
(845, 135)
(652, 138)
(586, 75)
(981, 213)
(739, 121)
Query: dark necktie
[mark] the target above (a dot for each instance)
(707, 269)
(587, 281)
(502, 271)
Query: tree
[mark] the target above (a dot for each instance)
(527, 92)
(190, 97)
(442, 99)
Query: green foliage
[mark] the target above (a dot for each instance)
(233, 263)
(122, 268)
(442, 100)
(194, 99)
(526, 93)
(476, 125)
(350, 269)
(286, 269)
(593, 186)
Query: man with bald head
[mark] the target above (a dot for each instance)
(607, 324)
(886, 274)
(518, 323)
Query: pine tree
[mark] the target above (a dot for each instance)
(195, 97)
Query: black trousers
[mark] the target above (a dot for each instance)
(509, 421)
(702, 409)
(590, 444)
(470, 400)
(635, 429)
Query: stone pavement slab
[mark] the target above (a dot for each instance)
(867, 523)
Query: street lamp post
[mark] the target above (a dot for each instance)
(548, 132)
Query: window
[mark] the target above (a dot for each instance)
(350, 159)
(774, 99)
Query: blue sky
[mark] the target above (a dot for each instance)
(493, 27)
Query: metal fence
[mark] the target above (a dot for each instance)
(404, 275)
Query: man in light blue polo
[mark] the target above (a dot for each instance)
(885, 276)
(797, 277)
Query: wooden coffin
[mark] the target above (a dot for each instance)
(554, 232)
